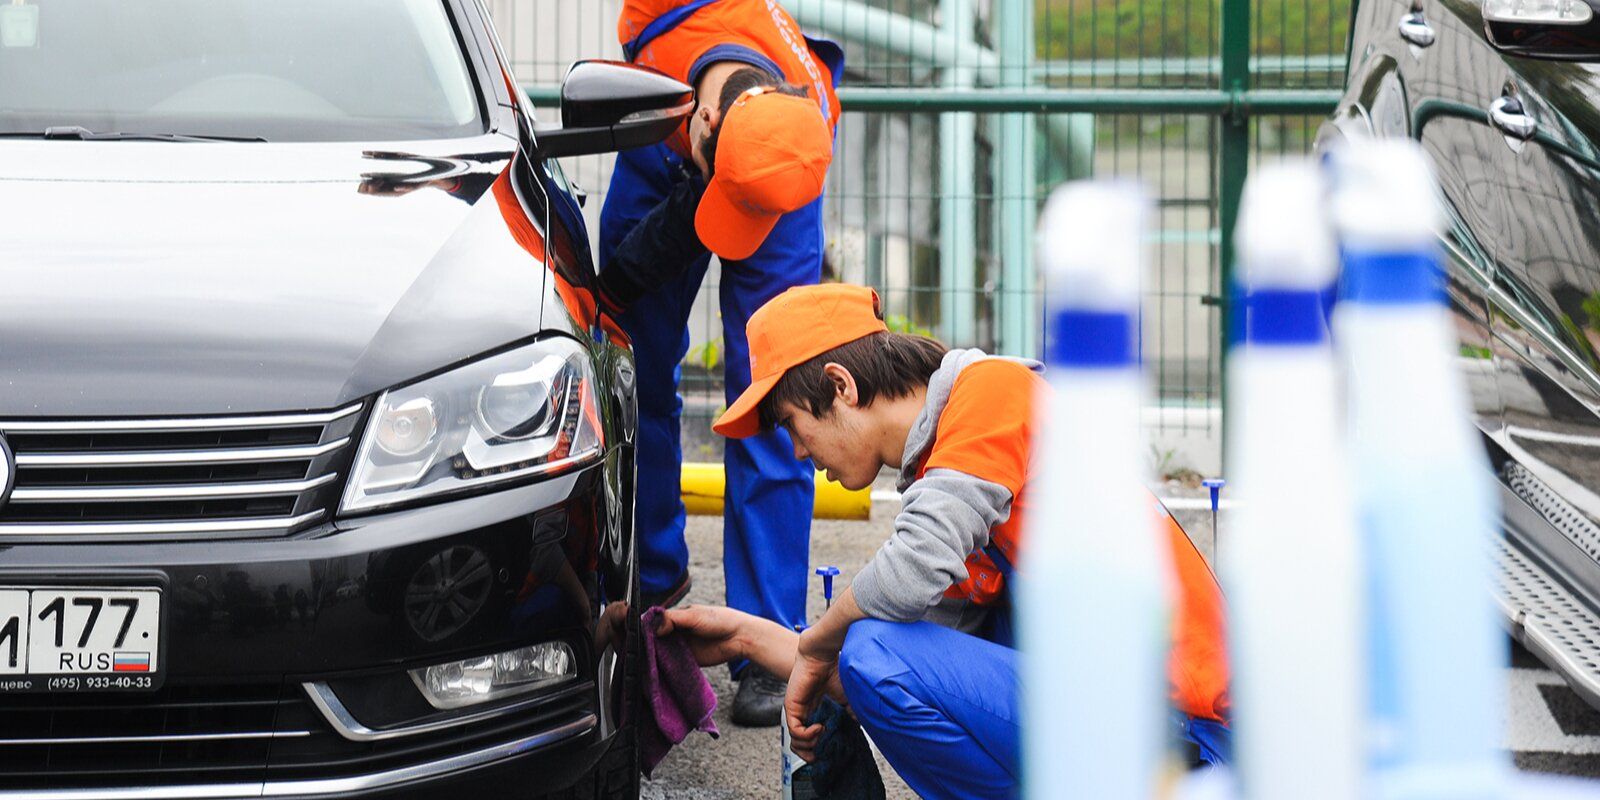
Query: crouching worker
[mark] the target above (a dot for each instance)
(920, 642)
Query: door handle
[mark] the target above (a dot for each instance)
(1507, 114)
(1414, 28)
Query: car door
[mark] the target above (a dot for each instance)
(1411, 76)
(1549, 273)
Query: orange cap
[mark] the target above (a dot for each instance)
(791, 329)
(773, 152)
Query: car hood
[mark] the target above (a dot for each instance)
(152, 278)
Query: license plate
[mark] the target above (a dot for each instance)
(67, 639)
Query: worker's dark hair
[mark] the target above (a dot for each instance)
(884, 364)
(740, 81)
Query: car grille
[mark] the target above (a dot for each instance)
(238, 734)
(137, 479)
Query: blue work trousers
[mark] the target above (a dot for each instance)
(766, 541)
(943, 708)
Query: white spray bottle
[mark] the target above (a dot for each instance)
(1424, 492)
(1292, 567)
(1093, 596)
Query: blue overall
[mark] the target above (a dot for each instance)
(943, 706)
(767, 517)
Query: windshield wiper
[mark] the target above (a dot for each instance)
(80, 132)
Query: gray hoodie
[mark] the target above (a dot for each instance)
(944, 517)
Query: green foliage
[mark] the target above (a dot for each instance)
(1161, 460)
(900, 323)
(1166, 470)
(1084, 29)
(1579, 341)
(707, 355)
(1591, 308)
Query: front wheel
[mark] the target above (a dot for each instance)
(617, 775)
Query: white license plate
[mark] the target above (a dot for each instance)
(80, 639)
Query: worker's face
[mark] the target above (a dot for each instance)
(705, 120)
(841, 441)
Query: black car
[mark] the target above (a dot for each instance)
(1501, 98)
(316, 471)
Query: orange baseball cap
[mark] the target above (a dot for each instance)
(773, 152)
(791, 329)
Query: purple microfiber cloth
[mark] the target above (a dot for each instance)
(679, 697)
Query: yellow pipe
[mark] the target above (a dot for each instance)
(704, 487)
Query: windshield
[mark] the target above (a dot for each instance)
(281, 70)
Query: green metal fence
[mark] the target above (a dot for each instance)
(961, 115)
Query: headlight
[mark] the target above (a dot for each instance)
(479, 680)
(524, 412)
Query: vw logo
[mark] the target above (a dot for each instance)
(8, 471)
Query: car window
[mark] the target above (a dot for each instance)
(287, 70)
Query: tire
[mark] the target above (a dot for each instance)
(618, 775)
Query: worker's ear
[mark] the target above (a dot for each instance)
(709, 117)
(844, 384)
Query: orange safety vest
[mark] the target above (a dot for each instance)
(681, 37)
(998, 398)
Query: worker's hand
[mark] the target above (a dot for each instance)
(716, 634)
(816, 671)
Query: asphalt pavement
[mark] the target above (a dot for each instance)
(1548, 727)
(744, 763)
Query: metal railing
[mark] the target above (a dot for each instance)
(958, 123)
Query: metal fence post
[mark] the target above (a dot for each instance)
(957, 180)
(1233, 165)
(1016, 304)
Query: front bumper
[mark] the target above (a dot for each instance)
(250, 625)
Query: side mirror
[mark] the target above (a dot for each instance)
(612, 105)
(1567, 30)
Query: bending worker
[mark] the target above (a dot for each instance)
(743, 179)
(920, 641)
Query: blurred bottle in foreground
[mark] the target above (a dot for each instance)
(1092, 604)
(1292, 564)
(1424, 493)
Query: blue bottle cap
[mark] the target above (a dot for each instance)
(1283, 316)
(1407, 277)
(1093, 339)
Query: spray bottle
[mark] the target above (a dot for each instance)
(797, 777)
(1424, 493)
(1093, 603)
(1292, 566)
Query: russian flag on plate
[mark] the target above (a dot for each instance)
(130, 662)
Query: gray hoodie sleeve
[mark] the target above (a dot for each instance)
(944, 517)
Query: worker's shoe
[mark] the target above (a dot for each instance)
(672, 595)
(759, 701)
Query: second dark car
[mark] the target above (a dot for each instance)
(1505, 99)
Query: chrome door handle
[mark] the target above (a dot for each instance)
(1414, 28)
(1507, 114)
